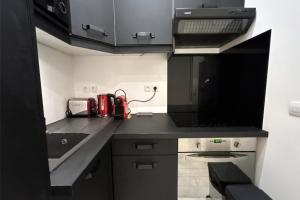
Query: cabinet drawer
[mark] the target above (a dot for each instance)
(144, 147)
(145, 177)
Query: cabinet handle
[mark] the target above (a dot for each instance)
(93, 28)
(143, 35)
(144, 166)
(88, 176)
(94, 169)
(144, 146)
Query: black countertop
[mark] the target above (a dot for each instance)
(161, 126)
(90, 126)
(66, 174)
(78, 125)
(158, 126)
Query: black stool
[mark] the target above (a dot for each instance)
(224, 174)
(245, 192)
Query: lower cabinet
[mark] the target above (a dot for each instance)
(145, 177)
(96, 183)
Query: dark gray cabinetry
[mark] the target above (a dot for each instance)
(93, 19)
(145, 169)
(143, 22)
(144, 147)
(115, 26)
(145, 177)
(96, 183)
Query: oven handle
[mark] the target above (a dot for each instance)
(203, 158)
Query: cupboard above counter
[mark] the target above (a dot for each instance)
(131, 26)
(93, 19)
(143, 22)
(109, 26)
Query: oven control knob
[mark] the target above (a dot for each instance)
(236, 144)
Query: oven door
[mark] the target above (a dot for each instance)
(193, 176)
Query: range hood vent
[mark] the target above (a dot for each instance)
(211, 27)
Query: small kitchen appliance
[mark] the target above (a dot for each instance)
(120, 107)
(81, 107)
(105, 104)
(120, 110)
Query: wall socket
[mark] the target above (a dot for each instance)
(86, 89)
(94, 89)
(149, 88)
(90, 89)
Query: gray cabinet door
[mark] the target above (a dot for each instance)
(93, 19)
(145, 177)
(143, 22)
(96, 183)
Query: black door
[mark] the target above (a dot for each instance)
(96, 183)
(24, 163)
(143, 22)
(93, 19)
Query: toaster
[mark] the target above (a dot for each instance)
(81, 107)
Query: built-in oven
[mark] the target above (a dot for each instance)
(195, 153)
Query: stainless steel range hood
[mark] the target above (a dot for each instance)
(210, 27)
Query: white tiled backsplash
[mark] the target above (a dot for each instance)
(64, 76)
(56, 73)
(105, 74)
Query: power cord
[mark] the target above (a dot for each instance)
(143, 101)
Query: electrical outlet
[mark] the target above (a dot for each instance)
(94, 89)
(86, 89)
(149, 88)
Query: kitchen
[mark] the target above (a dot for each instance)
(204, 102)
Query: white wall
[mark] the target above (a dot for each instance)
(65, 76)
(278, 167)
(129, 72)
(57, 82)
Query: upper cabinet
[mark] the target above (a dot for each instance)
(115, 26)
(93, 19)
(143, 22)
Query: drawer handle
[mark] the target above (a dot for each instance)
(93, 28)
(143, 35)
(144, 166)
(93, 170)
(144, 146)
